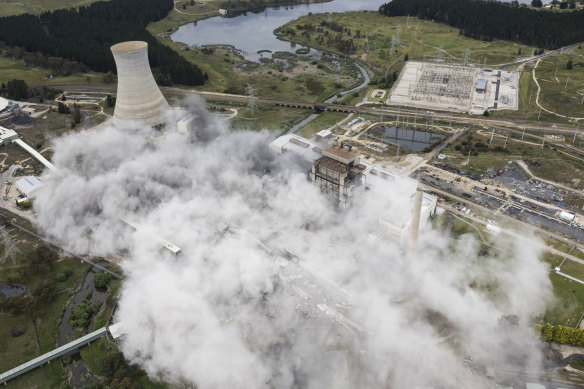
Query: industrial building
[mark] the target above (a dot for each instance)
(28, 185)
(331, 165)
(481, 86)
(138, 98)
(456, 86)
(7, 136)
(337, 173)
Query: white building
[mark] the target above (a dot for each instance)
(376, 179)
(28, 185)
(7, 136)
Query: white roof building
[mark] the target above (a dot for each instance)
(378, 180)
(3, 104)
(28, 185)
(7, 136)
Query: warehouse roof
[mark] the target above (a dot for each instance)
(29, 184)
(481, 85)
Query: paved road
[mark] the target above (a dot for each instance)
(536, 57)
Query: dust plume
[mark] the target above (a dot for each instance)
(275, 287)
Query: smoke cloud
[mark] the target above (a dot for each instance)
(275, 287)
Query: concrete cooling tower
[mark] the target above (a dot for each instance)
(138, 98)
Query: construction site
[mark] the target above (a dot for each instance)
(454, 85)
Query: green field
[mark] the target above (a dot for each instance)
(553, 165)
(562, 91)
(417, 38)
(17, 350)
(322, 122)
(11, 68)
(8, 7)
(276, 119)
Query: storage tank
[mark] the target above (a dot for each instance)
(138, 98)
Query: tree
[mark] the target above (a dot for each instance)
(519, 51)
(44, 256)
(108, 78)
(515, 4)
(569, 64)
(406, 58)
(486, 113)
(548, 332)
(16, 90)
(76, 114)
(110, 101)
(101, 280)
(564, 5)
(536, 3)
(81, 317)
(62, 108)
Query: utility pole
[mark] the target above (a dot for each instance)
(251, 100)
(492, 134)
(539, 114)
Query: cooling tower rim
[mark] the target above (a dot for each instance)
(128, 47)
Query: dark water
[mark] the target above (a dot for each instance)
(253, 32)
(11, 290)
(410, 139)
(97, 297)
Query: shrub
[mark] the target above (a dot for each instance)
(81, 317)
(101, 280)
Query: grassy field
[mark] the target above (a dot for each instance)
(322, 122)
(562, 91)
(569, 304)
(417, 38)
(8, 7)
(191, 13)
(17, 350)
(553, 165)
(276, 119)
(11, 68)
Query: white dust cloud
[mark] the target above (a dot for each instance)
(275, 287)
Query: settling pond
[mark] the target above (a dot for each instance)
(414, 140)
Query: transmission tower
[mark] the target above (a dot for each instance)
(398, 31)
(251, 100)
(10, 248)
(440, 55)
(466, 59)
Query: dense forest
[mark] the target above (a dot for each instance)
(489, 20)
(236, 7)
(85, 36)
